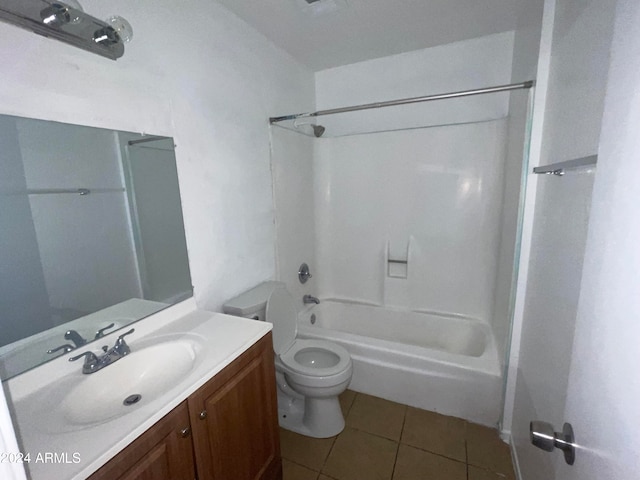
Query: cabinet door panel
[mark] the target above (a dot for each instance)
(153, 465)
(161, 453)
(238, 438)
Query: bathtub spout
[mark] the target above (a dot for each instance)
(310, 299)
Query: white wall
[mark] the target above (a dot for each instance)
(476, 63)
(604, 386)
(293, 180)
(572, 117)
(196, 73)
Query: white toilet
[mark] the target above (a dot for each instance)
(310, 373)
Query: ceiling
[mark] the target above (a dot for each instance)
(365, 29)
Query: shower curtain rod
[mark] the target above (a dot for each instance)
(406, 101)
(145, 140)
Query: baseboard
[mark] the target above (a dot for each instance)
(514, 457)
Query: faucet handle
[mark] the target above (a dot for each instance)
(100, 333)
(90, 357)
(121, 337)
(304, 273)
(90, 362)
(121, 347)
(66, 348)
(89, 354)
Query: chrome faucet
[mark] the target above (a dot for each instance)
(93, 363)
(66, 348)
(75, 337)
(100, 333)
(310, 299)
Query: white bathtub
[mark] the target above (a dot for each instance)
(446, 364)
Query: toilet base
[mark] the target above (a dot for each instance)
(312, 417)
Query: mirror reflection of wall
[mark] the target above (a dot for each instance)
(89, 218)
(154, 203)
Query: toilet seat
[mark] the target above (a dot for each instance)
(331, 364)
(326, 350)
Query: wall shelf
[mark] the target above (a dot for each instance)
(560, 168)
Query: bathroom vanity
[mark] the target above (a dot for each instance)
(207, 408)
(227, 429)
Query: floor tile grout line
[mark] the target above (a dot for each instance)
(466, 453)
(399, 442)
(371, 433)
(353, 400)
(466, 447)
(307, 467)
(324, 462)
(328, 476)
(395, 460)
(333, 444)
(435, 453)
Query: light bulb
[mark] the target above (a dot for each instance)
(121, 26)
(76, 6)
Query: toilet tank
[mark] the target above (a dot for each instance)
(252, 303)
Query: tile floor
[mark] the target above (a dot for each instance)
(384, 440)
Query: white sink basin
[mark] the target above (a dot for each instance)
(145, 373)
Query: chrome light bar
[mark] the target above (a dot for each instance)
(58, 20)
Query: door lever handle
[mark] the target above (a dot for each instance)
(543, 436)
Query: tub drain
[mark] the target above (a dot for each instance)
(132, 399)
(313, 319)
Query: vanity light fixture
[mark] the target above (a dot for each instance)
(59, 13)
(66, 21)
(117, 29)
(55, 15)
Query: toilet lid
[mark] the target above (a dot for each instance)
(281, 312)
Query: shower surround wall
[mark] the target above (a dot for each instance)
(434, 191)
(439, 189)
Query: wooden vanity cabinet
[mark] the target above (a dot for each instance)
(226, 430)
(235, 420)
(165, 451)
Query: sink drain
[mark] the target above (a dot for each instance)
(132, 399)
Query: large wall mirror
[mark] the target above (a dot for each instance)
(91, 236)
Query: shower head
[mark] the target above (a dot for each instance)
(318, 130)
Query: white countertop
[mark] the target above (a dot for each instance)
(81, 451)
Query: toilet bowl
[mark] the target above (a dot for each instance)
(310, 374)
